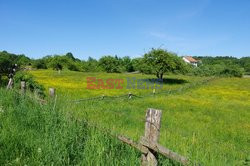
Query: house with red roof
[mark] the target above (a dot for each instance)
(190, 60)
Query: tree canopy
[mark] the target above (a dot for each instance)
(110, 64)
(156, 61)
(159, 62)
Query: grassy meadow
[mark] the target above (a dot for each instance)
(208, 123)
(74, 84)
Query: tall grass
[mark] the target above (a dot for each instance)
(209, 124)
(35, 134)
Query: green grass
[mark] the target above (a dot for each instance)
(207, 123)
(34, 134)
(74, 84)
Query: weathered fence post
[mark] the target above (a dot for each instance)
(149, 146)
(151, 137)
(129, 95)
(52, 92)
(23, 87)
(10, 83)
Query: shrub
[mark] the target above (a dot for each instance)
(110, 64)
(73, 67)
(218, 70)
(39, 64)
(232, 71)
(31, 84)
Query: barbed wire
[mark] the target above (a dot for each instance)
(130, 95)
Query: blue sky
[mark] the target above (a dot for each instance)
(125, 27)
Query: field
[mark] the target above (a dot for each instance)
(74, 84)
(208, 122)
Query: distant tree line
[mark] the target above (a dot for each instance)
(222, 66)
(156, 61)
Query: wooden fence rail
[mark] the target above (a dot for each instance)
(148, 144)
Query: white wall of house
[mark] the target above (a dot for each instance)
(187, 61)
(192, 63)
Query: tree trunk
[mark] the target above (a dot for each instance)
(157, 75)
(161, 76)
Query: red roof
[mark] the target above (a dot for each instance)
(190, 59)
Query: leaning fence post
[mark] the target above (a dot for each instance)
(23, 87)
(151, 137)
(52, 92)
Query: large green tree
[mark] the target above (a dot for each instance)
(110, 64)
(127, 64)
(70, 56)
(160, 61)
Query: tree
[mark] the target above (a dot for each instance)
(232, 71)
(245, 63)
(7, 61)
(127, 63)
(91, 65)
(56, 63)
(70, 56)
(39, 64)
(160, 61)
(22, 60)
(110, 64)
(5, 65)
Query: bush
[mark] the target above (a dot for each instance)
(31, 84)
(39, 64)
(110, 64)
(73, 67)
(232, 71)
(218, 70)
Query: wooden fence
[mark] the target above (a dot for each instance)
(148, 144)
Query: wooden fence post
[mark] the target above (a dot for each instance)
(151, 137)
(52, 92)
(102, 97)
(23, 87)
(10, 83)
(129, 95)
(149, 146)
